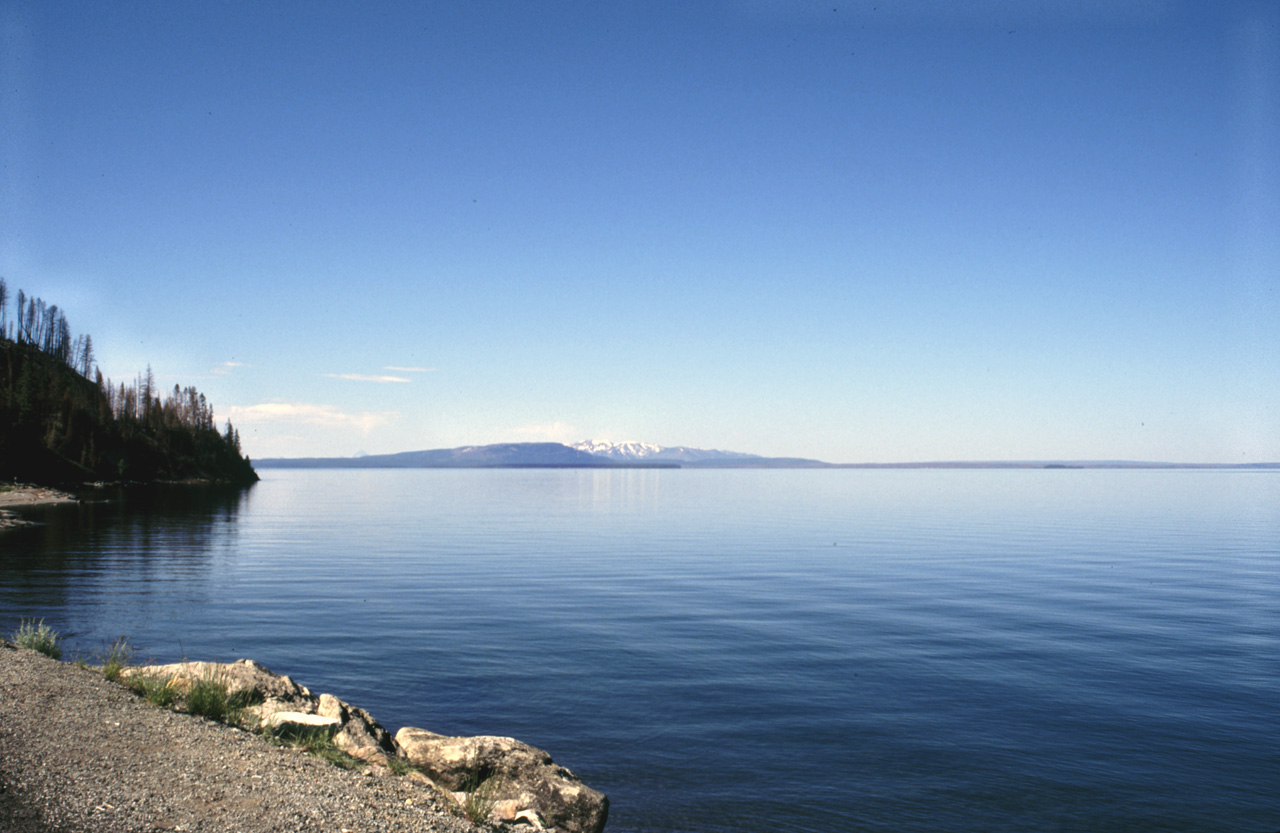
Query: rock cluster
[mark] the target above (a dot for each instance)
(526, 777)
(521, 784)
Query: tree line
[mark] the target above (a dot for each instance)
(62, 422)
(45, 328)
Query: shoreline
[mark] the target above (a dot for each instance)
(78, 752)
(110, 757)
(24, 495)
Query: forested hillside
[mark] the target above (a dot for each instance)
(62, 423)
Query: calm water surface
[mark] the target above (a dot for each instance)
(742, 650)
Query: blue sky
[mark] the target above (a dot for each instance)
(861, 232)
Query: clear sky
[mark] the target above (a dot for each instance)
(856, 231)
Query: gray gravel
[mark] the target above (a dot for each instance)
(82, 755)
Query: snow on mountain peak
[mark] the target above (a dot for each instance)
(631, 452)
(618, 451)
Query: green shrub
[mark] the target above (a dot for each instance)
(37, 636)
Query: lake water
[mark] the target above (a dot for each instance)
(742, 650)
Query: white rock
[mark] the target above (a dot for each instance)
(302, 720)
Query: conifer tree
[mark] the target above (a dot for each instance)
(61, 421)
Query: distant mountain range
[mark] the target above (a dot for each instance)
(632, 453)
(592, 454)
(588, 454)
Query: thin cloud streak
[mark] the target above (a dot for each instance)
(361, 377)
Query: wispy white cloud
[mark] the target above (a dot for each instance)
(226, 367)
(362, 377)
(305, 413)
(395, 369)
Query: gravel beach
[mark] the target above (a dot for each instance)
(79, 754)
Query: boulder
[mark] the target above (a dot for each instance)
(279, 698)
(526, 782)
(519, 784)
(509, 812)
(302, 721)
(297, 726)
(273, 692)
(360, 736)
(242, 675)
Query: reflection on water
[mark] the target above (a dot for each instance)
(629, 490)
(120, 541)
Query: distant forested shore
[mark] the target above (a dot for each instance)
(62, 423)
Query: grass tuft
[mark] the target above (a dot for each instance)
(325, 749)
(400, 766)
(118, 656)
(37, 636)
(317, 741)
(209, 696)
(481, 796)
(157, 689)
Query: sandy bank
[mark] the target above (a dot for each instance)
(19, 494)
